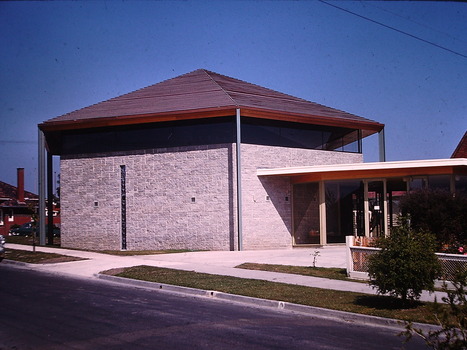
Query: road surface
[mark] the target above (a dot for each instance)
(46, 311)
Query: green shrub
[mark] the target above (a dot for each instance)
(438, 212)
(406, 264)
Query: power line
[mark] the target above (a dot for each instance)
(416, 22)
(394, 29)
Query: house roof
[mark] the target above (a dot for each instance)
(202, 94)
(370, 170)
(461, 149)
(9, 192)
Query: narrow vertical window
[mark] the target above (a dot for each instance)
(123, 203)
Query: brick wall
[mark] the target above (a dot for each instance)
(161, 213)
(182, 197)
(267, 202)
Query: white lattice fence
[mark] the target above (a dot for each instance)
(357, 261)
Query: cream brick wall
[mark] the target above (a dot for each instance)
(160, 185)
(267, 223)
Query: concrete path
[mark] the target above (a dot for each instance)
(216, 262)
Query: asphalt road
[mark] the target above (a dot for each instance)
(45, 311)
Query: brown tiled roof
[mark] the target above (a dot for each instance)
(202, 94)
(461, 149)
(8, 191)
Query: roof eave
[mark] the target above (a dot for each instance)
(367, 125)
(370, 127)
(136, 119)
(370, 170)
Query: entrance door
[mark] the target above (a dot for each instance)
(344, 208)
(306, 225)
(375, 208)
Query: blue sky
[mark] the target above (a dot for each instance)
(57, 57)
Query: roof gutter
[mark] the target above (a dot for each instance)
(369, 126)
(98, 122)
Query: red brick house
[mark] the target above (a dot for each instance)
(461, 149)
(15, 204)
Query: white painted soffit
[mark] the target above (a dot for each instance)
(430, 163)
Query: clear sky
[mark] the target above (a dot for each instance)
(400, 63)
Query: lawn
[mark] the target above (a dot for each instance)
(337, 300)
(29, 240)
(31, 257)
(322, 272)
(56, 244)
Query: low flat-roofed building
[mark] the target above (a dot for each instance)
(334, 201)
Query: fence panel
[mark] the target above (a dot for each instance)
(357, 261)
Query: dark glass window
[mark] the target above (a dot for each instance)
(298, 135)
(147, 136)
(206, 131)
(440, 182)
(461, 184)
(344, 210)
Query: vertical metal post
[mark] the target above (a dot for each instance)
(322, 214)
(359, 136)
(382, 146)
(239, 182)
(366, 208)
(41, 186)
(50, 200)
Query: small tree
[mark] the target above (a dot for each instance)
(406, 264)
(452, 319)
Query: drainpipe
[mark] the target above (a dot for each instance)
(239, 183)
(382, 146)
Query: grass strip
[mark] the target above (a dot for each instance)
(31, 257)
(142, 252)
(374, 305)
(334, 273)
(29, 241)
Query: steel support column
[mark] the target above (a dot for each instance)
(382, 146)
(41, 187)
(239, 182)
(50, 200)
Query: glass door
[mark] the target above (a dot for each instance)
(306, 224)
(375, 208)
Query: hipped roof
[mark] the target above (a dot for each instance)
(202, 94)
(10, 192)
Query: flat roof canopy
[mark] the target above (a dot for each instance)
(370, 170)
